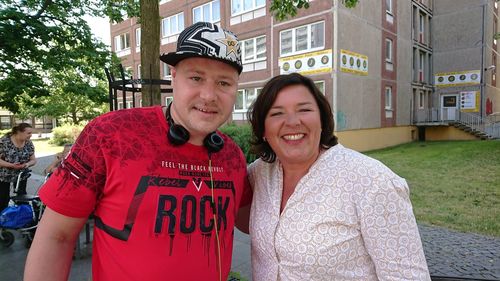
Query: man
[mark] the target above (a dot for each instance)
(163, 186)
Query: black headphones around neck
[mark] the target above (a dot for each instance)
(178, 135)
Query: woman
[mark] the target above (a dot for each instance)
(321, 211)
(16, 154)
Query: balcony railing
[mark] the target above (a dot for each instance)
(489, 126)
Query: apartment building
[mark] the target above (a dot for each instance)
(381, 64)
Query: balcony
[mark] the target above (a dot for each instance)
(484, 128)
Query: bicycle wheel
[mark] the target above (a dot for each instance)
(7, 238)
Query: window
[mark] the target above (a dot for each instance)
(320, 85)
(168, 100)
(127, 103)
(122, 42)
(254, 49)
(302, 39)
(209, 12)
(388, 50)
(388, 98)
(166, 71)
(138, 37)
(242, 6)
(421, 28)
(421, 67)
(138, 72)
(245, 98)
(421, 100)
(388, 6)
(172, 25)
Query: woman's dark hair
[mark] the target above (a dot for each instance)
(19, 128)
(258, 111)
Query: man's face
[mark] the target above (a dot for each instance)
(204, 92)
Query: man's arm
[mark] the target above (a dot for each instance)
(51, 252)
(243, 218)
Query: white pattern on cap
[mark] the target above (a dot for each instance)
(206, 40)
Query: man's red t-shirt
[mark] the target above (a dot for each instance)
(152, 201)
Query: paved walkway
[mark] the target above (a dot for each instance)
(449, 254)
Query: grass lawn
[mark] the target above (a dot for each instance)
(42, 147)
(455, 184)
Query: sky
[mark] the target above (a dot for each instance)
(100, 27)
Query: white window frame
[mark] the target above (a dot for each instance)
(388, 97)
(120, 40)
(421, 28)
(255, 57)
(168, 100)
(138, 75)
(254, 6)
(308, 40)
(210, 17)
(173, 21)
(166, 71)
(127, 102)
(138, 37)
(421, 100)
(244, 93)
(321, 82)
(388, 50)
(421, 66)
(388, 7)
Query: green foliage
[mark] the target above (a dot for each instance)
(4, 132)
(241, 134)
(235, 276)
(461, 176)
(65, 134)
(282, 9)
(74, 99)
(41, 38)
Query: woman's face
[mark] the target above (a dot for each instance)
(26, 134)
(293, 126)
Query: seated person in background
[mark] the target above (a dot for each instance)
(57, 161)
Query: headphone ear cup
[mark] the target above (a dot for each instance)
(177, 135)
(213, 142)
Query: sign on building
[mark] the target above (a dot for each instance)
(461, 78)
(305, 64)
(352, 62)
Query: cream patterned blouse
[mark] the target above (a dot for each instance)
(350, 218)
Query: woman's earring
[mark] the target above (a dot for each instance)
(264, 139)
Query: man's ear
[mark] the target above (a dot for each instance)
(173, 71)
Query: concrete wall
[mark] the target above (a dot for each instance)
(405, 64)
(358, 97)
(447, 133)
(370, 139)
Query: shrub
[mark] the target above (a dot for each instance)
(241, 134)
(4, 132)
(65, 134)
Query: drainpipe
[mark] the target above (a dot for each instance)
(335, 55)
(483, 72)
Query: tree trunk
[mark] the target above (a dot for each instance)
(150, 51)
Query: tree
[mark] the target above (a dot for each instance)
(42, 37)
(73, 98)
(150, 51)
(282, 9)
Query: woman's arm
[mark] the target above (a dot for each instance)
(31, 162)
(6, 164)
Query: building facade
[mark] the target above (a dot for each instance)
(383, 65)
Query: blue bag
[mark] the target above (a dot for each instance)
(16, 216)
